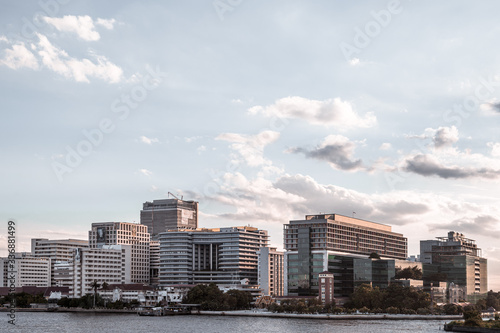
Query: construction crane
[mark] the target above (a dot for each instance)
(171, 194)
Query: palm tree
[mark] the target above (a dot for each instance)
(105, 287)
(95, 285)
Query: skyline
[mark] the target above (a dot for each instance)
(262, 112)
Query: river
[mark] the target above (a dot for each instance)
(32, 322)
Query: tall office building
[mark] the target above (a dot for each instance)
(154, 262)
(169, 214)
(270, 271)
(343, 246)
(104, 264)
(124, 233)
(56, 249)
(28, 271)
(455, 259)
(220, 255)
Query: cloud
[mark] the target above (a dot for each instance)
(485, 225)
(108, 24)
(385, 146)
(19, 57)
(149, 141)
(145, 172)
(427, 165)
(331, 112)
(60, 62)
(354, 62)
(445, 136)
(83, 26)
(337, 150)
(495, 148)
(250, 148)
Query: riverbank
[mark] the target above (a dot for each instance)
(80, 310)
(258, 313)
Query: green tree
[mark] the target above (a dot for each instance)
(95, 285)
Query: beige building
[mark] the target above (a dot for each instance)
(28, 271)
(130, 234)
(270, 271)
(56, 250)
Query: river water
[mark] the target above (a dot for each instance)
(31, 322)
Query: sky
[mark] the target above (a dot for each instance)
(263, 111)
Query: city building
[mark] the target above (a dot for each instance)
(143, 294)
(220, 255)
(28, 271)
(154, 262)
(57, 250)
(270, 271)
(354, 250)
(104, 264)
(326, 283)
(455, 259)
(129, 234)
(169, 214)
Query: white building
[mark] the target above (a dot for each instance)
(145, 295)
(105, 264)
(56, 250)
(29, 271)
(270, 271)
(124, 233)
(219, 255)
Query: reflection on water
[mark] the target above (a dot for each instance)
(109, 323)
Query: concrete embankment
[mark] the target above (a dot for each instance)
(251, 313)
(80, 310)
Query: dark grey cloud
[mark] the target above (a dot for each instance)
(338, 154)
(485, 225)
(424, 166)
(495, 107)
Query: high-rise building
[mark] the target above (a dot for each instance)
(56, 249)
(104, 264)
(28, 271)
(220, 255)
(354, 250)
(270, 271)
(124, 233)
(154, 262)
(454, 259)
(169, 214)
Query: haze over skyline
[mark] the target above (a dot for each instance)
(261, 111)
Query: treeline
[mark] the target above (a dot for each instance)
(211, 298)
(311, 305)
(23, 300)
(492, 300)
(87, 302)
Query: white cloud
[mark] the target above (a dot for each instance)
(330, 112)
(149, 141)
(201, 149)
(19, 57)
(495, 148)
(108, 24)
(385, 146)
(145, 172)
(445, 136)
(3, 39)
(251, 148)
(192, 139)
(60, 62)
(354, 62)
(83, 26)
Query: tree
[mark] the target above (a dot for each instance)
(414, 273)
(94, 286)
